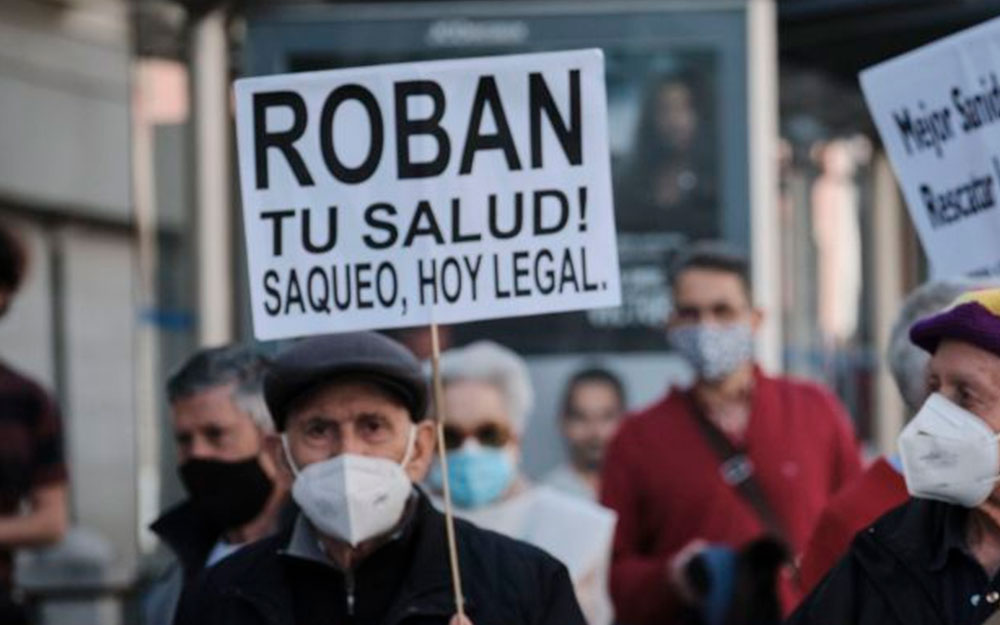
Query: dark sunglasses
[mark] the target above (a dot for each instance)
(488, 435)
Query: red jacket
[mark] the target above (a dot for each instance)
(880, 489)
(662, 479)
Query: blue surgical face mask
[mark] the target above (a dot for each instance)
(477, 475)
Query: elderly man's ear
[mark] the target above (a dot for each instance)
(424, 447)
(274, 461)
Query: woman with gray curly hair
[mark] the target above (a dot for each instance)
(487, 399)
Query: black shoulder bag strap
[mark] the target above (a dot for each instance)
(737, 470)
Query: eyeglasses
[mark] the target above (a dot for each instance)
(487, 434)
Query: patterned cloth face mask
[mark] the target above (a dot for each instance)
(714, 350)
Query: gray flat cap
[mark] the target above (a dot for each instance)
(323, 359)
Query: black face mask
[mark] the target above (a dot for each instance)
(229, 494)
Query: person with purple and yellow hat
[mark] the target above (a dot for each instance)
(881, 487)
(936, 558)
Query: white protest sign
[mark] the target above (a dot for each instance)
(937, 109)
(445, 191)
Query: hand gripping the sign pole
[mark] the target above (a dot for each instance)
(459, 620)
(449, 517)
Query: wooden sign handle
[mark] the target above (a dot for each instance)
(449, 519)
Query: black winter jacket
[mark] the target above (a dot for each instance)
(886, 578)
(505, 582)
(188, 534)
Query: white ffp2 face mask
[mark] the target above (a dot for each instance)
(351, 497)
(949, 454)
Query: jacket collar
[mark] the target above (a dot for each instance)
(191, 536)
(923, 533)
(952, 537)
(916, 538)
(429, 574)
(426, 587)
(188, 534)
(305, 544)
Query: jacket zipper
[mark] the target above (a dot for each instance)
(349, 588)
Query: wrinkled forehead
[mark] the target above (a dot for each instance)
(959, 360)
(345, 399)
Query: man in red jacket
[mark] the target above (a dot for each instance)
(666, 476)
(881, 488)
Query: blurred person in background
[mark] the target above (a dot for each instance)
(228, 463)
(592, 407)
(368, 547)
(881, 487)
(704, 473)
(668, 183)
(487, 398)
(936, 558)
(33, 476)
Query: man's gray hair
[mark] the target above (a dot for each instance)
(220, 366)
(486, 361)
(907, 362)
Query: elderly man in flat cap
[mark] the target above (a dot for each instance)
(935, 559)
(368, 547)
